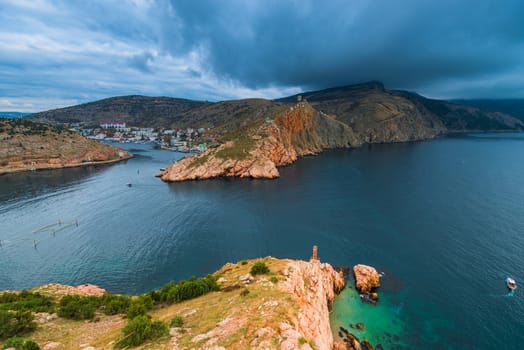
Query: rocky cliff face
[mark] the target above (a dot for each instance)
(266, 145)
(375, 114)
(314, 286)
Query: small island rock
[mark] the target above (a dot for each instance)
(366, 278)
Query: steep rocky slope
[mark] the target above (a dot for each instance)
(257, 151)
(375, 114)
(379, 115)
(30, 146)
(339, 117)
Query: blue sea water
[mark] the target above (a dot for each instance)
(444, 219)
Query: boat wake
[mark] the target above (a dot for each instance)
(507, 295)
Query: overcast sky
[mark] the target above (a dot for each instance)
(59, 53)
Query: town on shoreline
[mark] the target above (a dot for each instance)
(188, 140)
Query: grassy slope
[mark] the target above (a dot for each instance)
(135, 110)
(200, 315)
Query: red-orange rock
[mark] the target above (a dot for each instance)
(313, 286)
(366, 278)
(297, 132)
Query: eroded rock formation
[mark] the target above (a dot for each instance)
(366, 278)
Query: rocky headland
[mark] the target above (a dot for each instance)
(280, 132)
(267, 144)
(286, 307)
(31, 146)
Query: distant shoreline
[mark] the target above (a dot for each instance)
(5, 171)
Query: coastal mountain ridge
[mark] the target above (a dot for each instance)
(253, 137)
(179, 113)
(344, 117)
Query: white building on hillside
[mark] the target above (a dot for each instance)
(119, 126)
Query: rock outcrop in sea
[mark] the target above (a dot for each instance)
(366, 278)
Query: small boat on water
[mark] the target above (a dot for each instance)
(129, 184)
(510, 282)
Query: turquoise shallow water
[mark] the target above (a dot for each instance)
(444, 219)
(383, 323)
(399, 320)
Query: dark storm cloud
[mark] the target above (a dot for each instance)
(55, 52)
(408, 44)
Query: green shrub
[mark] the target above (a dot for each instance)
(259, 268)
(137, 308)
(26, 301)
(177, 321)
(147, 300)
(155, 296)
(14, 323)
(243, 262)
(244, 292)
(115, 304)
(184, 290)
(140, 329)
(274, 279)
(78, 308)
(14, 342)
(30, 345)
